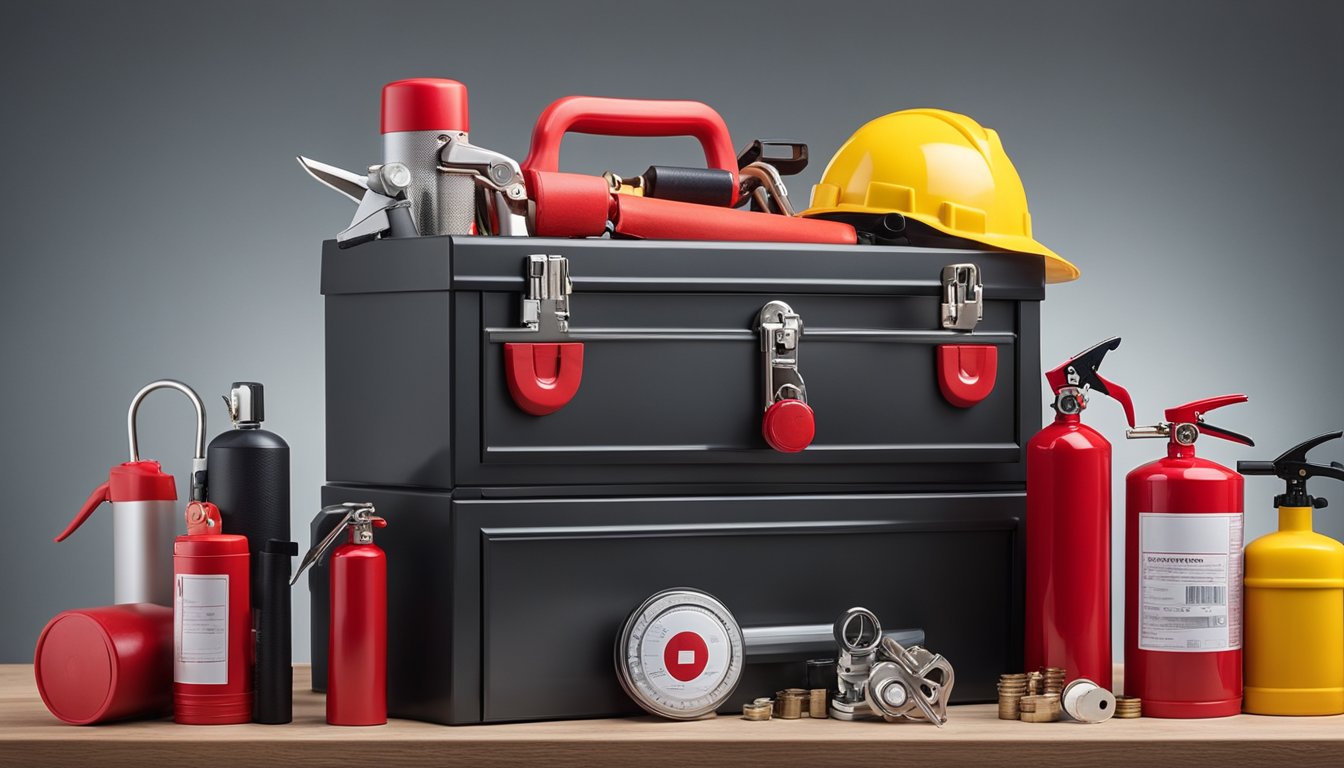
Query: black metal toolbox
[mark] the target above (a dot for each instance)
(517, 543)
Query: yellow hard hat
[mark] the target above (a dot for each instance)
(939, 168)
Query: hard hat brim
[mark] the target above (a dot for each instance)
(1057, 268)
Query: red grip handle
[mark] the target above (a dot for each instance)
(630, 117)
(653, 219)
(1189, 412)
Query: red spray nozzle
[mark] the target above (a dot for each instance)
(1080, 371)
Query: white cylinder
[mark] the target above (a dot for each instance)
(1087, 702)
(142, 551)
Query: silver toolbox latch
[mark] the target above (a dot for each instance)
(781, 331)
(546, 305)
(963, 297)
(788, 423)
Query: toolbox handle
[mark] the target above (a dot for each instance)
(630, 117)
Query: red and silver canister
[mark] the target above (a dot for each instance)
(357, 640)
(419, 116)
(212, 622)
(144, 511)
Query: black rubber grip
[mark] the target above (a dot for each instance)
(274, 703)
(703, 186)
(1256, 467)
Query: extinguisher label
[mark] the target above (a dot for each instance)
(1190, 582)
(201, 629)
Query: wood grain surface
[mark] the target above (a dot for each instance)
(974, 736)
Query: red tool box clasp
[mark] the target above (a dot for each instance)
(542, 369)
(967, 372)
(543, 378)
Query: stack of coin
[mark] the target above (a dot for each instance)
(818, 700)
(1128, 706)
(1011, 690)
(759, 709)
(1054, 680)
(1034, 680)
(1039, 709)
(789, 703)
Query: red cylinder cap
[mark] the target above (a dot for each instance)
(789, 425)
(425, 104)
(141, 481)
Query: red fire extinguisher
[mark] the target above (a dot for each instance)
(212, 622)
(1068, 616)
(1183, 565)
(357, 640)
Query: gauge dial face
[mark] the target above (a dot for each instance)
(679, 654)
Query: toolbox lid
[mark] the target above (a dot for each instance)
(471, 263)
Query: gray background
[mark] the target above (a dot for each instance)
(1186, 156)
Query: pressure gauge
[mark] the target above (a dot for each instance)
(679, 654)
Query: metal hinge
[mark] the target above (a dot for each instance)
(546, 305)
(963, 297)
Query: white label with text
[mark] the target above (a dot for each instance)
(1189, 582)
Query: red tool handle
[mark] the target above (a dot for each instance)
(653, 219)
(630, 117)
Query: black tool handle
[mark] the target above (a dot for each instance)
(274, 703)
(703, 186)
(1256, 467)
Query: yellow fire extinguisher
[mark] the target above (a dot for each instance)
(1294, 644)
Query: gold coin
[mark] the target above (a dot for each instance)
(756, 711)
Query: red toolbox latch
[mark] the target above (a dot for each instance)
(966, 372)
(544, 375)
(788, 424)
(543, 378)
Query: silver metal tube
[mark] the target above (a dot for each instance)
(166, 384)
(443, 203)
(791, 641)
(142, 551)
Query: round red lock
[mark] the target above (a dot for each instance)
(789, 425)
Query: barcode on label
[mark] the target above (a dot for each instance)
(1206, 595)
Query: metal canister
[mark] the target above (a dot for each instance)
(419, 115)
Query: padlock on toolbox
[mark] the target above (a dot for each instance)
(578, 205)
(788, 423)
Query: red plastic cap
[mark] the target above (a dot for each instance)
(789, 425)
(99, 664)
(140, 481)
(424, 104)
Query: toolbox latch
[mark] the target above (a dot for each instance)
(963, 297)
(546, 306)
(543, 376)
(788, 424)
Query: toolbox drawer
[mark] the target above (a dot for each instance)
(672, 384)
(507, 609)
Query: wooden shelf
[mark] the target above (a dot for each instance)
(30, 736)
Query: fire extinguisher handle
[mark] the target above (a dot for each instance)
(1119, 393)
(100, 494)
(1189, 413)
